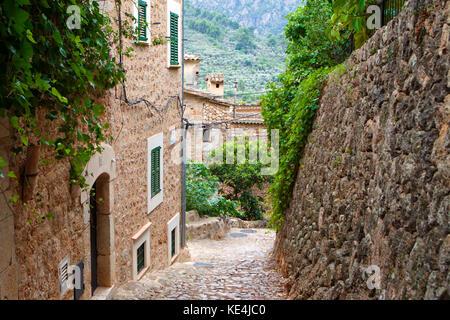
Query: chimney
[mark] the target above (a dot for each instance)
(191, 70)
(215, 83)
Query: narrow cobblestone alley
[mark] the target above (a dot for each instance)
(237, 267)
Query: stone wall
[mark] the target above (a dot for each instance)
(40, 245)
(204, 110)
(374, 189)
(8, 262)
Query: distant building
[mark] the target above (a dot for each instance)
(215, 83)
(208, 112)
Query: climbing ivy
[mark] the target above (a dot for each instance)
(50, 71)
(289, 105)
(299, 121)
(350, 15)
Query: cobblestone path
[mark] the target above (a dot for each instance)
(238, 267)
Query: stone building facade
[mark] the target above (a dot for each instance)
(370, 207)
(131, 225)
(213, 118)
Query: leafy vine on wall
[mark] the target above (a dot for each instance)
(53, 72)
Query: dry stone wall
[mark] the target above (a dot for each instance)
(374, 189)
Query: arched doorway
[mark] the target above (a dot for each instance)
(98, 204)
(101, 234)
(93, 236)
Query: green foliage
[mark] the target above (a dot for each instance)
(293, 137)
(252, 68)
(290, 104)
(309, 47)
(214, 18)
(272, 41)
(350, 15)
(205, 27)
(245, 40)
(267, 16)
(240, 177)
(48, 70)
(201, 193)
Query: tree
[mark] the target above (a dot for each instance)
(238, 180)
(201, 193)
(244, 38)
(49, 69)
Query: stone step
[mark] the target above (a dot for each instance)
(192, 216)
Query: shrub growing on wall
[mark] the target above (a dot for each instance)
(289, 105)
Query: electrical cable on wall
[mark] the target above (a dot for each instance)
(124, 96)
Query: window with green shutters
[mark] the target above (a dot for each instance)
(156, 171)
(142, 20)
(174, 39)
(173, 244)
(141, 258)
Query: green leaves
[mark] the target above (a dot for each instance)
(51, 70)
(201, 190)
(30, 37)
(290, 105)
(11, 174)
(58, 95)
(3, 163)
(350, 16)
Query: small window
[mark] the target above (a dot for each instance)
(140, 258)
(142, 20)
(207, 135)
(173, 244)
(173, 238)
(141, 251)
(217, 85)
(156, 168)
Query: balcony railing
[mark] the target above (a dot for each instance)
(390, 9)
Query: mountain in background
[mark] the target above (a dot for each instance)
(225, 45)
(266, 16)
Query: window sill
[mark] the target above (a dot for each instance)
(141, 231)
(175, 66)
(174, 258)
(142, 273)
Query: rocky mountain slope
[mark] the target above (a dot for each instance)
(266, 16)
(244, 57)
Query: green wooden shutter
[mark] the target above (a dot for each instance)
(142, 20)
(174, 39)
(152, 173)
(156, 171)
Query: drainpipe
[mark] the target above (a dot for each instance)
(183, 142)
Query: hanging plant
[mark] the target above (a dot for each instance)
(56, 58)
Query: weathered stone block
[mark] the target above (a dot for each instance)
(7, 242)
(9, 283)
